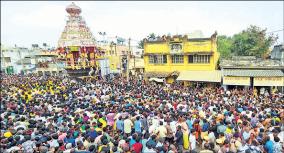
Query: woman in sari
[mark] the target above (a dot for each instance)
(184, 128)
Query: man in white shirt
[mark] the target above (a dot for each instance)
(128, 126)
(192, 140)
(162, 132)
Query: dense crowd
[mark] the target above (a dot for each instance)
(61, 115)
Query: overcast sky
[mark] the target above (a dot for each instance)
(25, 23)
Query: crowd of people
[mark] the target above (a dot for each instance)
(61, 115)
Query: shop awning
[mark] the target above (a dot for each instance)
(253, 73)
(200, 76)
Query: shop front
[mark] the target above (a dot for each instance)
(236, 81)
(258, 79)
(200, 78)
(271, 84)
(268, 81)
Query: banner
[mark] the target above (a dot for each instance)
(74, 48)
(242, 81)
(268, 81)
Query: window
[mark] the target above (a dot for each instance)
(198, 58)
(157, 59)
(177, 59)
(151, 59)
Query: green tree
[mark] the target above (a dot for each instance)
(224, 45)
(253, 41)
(150, 36)
(141, 44)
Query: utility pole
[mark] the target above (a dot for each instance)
(128, 60)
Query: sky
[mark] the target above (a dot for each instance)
(36, 22)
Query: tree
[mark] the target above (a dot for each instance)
(224, 45)
(141, 44)
(151, 36)
(253, 41)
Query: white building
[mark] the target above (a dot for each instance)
(278, 52)
(47, 63)
(11, 59)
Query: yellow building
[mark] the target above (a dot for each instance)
(136, 65)
(115, 53)
(170, 57)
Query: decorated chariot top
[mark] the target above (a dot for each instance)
(76, 32)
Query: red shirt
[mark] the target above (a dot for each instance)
(137, 147)
(175, 106)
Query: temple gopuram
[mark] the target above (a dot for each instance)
(76, 45)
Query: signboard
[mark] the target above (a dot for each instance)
(268, 81)
(242, 81)
(176, 48)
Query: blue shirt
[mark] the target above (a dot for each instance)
(144, 141)
(60, 120)
(82, 151)
(152, 143)
(240, 109)
(221, 128)
(205, 127)
(137, 126)
(71, 140)
(93, 134)
(119, 125)
(131, 142)
(269, 146)
(189, 124)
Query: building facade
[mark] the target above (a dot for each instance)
(166, 57)
(251, 72)
(47, 63)
(278, 53)
(116, 53)
(13, 59)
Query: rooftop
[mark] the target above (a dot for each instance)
(165, 38)
(253, 73)
(250, 62)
